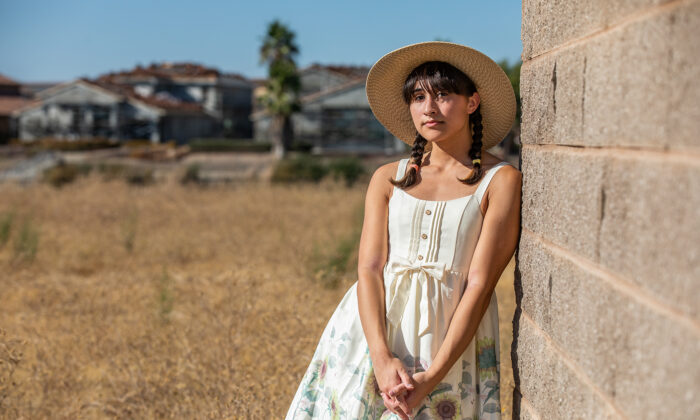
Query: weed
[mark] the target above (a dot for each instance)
(165, 296)
(5, 227)
(130, 227)
(331, 268)
(27, 242)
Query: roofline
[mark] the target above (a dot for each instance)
(313, 97)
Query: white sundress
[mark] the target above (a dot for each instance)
(431, 244)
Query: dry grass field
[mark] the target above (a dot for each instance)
(168, 301)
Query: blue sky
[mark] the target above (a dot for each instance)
(65, 39)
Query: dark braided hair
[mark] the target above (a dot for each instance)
(416, 157)
(475, 150)
(435, 76)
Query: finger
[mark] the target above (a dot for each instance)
(388, 403)
(406, 379)
(402, 404)
(398, 390)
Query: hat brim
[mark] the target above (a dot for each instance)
(386, 79)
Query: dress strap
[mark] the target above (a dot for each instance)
(402, 168)
(487, 179)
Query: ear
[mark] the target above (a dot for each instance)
(473, 102)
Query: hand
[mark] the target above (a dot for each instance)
(396, 405)
(421, 388)
(422, 385)
(389, 374)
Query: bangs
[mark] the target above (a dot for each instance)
(434, 76)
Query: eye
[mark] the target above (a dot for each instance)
(442, 94)
(418, 97)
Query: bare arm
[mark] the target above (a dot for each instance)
(497, 242)
(371, 259)
(373, 251)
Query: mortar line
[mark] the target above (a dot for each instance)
(620, 284)
(573, 366)
(691, 157)
(620, 24)
(529, 408)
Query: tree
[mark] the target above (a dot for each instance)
(281, 98)
(513, 73)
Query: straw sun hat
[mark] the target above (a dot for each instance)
(386, 79)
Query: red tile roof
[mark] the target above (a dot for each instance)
(168, 103)
(11, 103)
(4, 80)
(348, 71)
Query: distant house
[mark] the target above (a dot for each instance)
(10, 100)
(335, 115)
(88, 109)
(225, 96)
(159, 103)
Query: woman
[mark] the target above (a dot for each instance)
(417, 335)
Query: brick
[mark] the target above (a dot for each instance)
(548, 24)
(684, 68)
(561, 197)
(549, 385)
(634, 86)
(636, 215)
(651, 225)
(639, 357)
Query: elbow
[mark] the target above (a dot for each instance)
(476, 281)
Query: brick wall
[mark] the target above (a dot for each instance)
(608, 267)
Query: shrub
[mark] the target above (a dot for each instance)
(191, 175)
(299, 168)
(228, 145)
(77, 145)
(132, 175)
(349, 169)
(61, 174)
(139, 176)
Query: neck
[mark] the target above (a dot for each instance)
(449, 153)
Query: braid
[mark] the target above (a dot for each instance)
(416, 157)
(475, 150)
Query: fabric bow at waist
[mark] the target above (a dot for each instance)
(429, 278)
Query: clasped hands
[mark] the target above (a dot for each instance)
(400, 391)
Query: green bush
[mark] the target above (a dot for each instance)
(191, 175)
(349, 169)
(139, 176)
(228, 145)
(61, 174)
(299, 168)
(132, 175)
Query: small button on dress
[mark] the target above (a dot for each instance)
(431, 244)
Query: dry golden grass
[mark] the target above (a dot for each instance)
(167, 301)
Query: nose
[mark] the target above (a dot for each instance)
(429, 105)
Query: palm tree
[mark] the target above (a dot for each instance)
(282, 89)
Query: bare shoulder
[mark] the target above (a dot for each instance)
(505, 187)
(379, 185)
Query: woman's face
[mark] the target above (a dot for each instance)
(443, 115)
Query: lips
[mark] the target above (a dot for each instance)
(432, 123)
